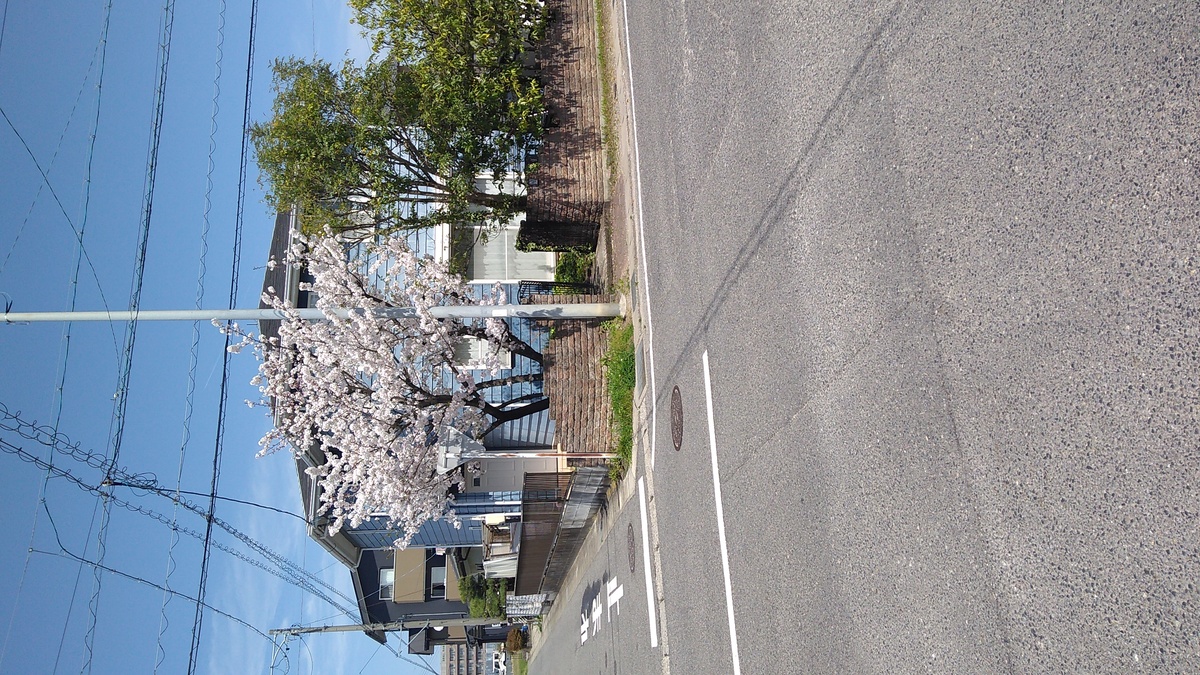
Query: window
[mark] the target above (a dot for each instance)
(437, 582)
(387, 581)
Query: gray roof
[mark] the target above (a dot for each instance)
(276, 278)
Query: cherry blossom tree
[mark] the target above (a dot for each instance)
(376, 394)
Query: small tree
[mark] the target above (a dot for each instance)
(517, 640)
(484, 597)
(376, 394)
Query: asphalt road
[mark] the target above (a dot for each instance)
(944, 259)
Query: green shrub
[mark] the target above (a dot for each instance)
(484, 597)
(573, 267)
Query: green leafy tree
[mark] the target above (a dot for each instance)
(484, 597)
(469, 59)
(360, 150)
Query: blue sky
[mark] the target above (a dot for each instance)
(49, 70)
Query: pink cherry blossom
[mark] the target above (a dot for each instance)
(371, 393)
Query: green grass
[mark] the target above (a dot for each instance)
(622, 378)
(573, 267)
(520, 664)
(607, 89)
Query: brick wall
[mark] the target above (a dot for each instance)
(575, 381)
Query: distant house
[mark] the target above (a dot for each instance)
(421, 582)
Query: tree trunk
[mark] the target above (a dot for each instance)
(501, 416)
(511, 342)
(512, 379)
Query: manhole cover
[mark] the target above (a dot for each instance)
(676, 418)
(632, 551)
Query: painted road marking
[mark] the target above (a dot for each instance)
(650, 601)
(589, 618)
(712, 442)
(615, 593)
(637, 172)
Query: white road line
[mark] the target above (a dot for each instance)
(712, 442)
(637, 172)
(650, 600)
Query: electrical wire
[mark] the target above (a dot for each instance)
(61, 208)
(406, 659)
(64, 553)
(135, 296)
(65, 359)
(3, 24)
(117, 476)
(218, 445)
(97, 54)
(311, 665)
(121, 477)
(284, 569)
(194, 350)
(364, 668)
(101, 51)
(166, 492)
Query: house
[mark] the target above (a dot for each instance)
(422, 580)
(417, 584)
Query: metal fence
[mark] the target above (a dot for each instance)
(526, 289)
(552, 530)
(545, 496)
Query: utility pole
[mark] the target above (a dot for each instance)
(393, 626)
(456, 448)
(449, 462)
(589, 310)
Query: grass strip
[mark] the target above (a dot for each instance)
(620, 362)
(607, 89)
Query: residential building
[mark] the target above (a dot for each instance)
(468, 659)
(421, 582)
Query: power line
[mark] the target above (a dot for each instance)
(122, 402)
(64, 553)
(166, 492)
(44, 435)
(57, 148)
(218, 445)
(58, 201)
(285, 569)
(118, 476)
(99, 55)
(194, 350)
(3, 24)
(66, 342)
